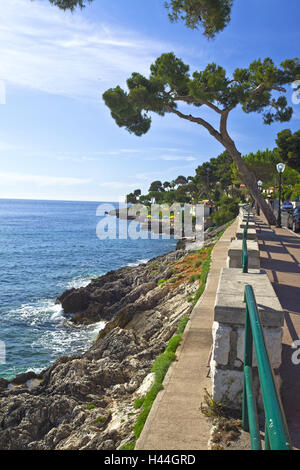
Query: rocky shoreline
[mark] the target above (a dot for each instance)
(86, 401)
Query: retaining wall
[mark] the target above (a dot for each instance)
(227, 359)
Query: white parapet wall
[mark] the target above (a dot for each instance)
(228, 332)
(235, 253)
(251, 233)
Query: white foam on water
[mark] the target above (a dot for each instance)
(79, 281)
(58, 314)
(66, 339)
(37, 313)
(50, 334)
(138, 262)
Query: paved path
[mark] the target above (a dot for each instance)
(175, 421)
(280, 257)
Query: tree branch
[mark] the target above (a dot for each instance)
(223, 122)
(197, 120)
(263, 87)
(192, 99)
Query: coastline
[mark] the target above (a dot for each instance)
(82, 395)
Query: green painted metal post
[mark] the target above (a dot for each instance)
(267, 440)
(245, 253)
(276, 427)
(252, 410)
(250, 419)
(244, 247)
(247, 362)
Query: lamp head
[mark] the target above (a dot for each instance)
(280, 167)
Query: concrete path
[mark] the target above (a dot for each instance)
(175, 421)
(280, 257)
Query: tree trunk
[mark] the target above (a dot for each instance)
(250, 181)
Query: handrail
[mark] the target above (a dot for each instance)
(276, 431)
(245, 252)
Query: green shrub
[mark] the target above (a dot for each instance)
(228, 210)
(197, 263)
(100, 419)
(194, 277)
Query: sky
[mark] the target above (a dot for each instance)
(57, 138)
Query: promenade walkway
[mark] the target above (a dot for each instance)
(280, 257)
(175, 421)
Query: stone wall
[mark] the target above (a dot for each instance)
(227, 359)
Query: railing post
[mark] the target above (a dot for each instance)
(250, 417)
(267, 440)
(277, 435)
(244, 252)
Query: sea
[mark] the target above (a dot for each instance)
(47, 247)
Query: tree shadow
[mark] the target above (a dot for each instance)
(290, 393)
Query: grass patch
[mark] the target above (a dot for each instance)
(128, 446)
(91, 406)
(182, 325)
(138, 403)
(195, 277)
(160, 368)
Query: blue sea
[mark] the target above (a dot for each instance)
(47, 247)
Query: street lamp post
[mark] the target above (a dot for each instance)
(259, 184)
(280, 168)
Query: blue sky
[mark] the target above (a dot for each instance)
(57, 139)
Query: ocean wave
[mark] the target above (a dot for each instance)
(67, 339)
(138, 262)
(49, 332)
(37, 313)
(81, 281)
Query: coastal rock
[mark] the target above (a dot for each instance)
(106, 296)
(75, 300)
(22, 378)
(86, 401)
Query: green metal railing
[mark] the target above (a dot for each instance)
(276, 431)
(245, 252)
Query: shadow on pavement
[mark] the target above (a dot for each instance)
(290, 391)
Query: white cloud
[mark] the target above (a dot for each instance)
(52, 51)
(6, 146)
(177, 158)
(2, 92)
(41, 180)
(117, 185)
